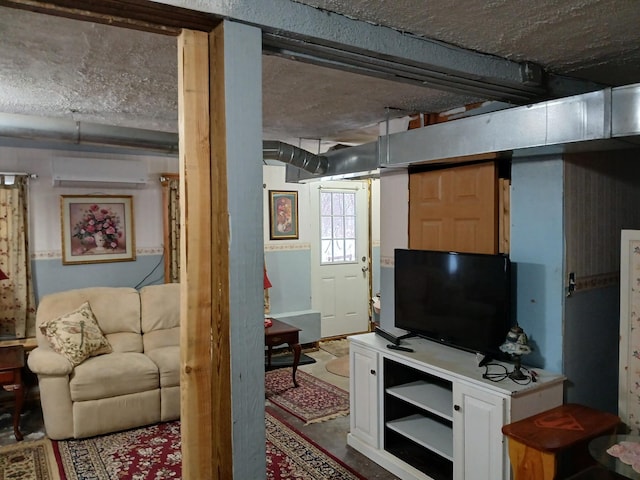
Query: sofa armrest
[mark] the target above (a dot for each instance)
(43, 361)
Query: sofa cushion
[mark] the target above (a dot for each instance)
(76, 335)
(160, 315)
(112, 375)
(168, 361)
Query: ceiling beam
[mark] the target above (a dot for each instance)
(146, 16)
(310, 34)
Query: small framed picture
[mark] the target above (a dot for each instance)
(283, 215)
(97, 228)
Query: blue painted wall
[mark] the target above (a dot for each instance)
(52, 276)
(591, 346)
(537, 250)
(290, 275)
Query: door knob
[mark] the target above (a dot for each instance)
(365, 269)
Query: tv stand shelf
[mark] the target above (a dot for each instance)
(425, 432)
(431, 397)
(430, 414)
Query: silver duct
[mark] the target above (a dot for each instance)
(307, 161)
(42, 129)
(29, 127)
(606, 119)
(358, 161)
(603, 120)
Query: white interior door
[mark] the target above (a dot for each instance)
(340, 257)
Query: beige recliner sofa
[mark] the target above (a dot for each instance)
(137, 383)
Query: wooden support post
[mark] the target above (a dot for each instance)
(205, 379)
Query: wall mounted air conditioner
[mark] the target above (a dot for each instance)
(98, 172)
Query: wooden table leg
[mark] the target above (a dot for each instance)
(18, 392)
(531, 464)
(296, 359)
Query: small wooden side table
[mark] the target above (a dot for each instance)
(11, 363)
(277, 334)
(535, 442)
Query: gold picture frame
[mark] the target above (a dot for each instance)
(283, 215)
(97, 229)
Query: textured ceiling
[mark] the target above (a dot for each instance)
(54, 67)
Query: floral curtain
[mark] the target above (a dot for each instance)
(629, 377)
(171, 208)
(17, 298)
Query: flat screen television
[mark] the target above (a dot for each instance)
(459, 299)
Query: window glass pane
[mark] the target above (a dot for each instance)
(325, 203)
(338, 207)
(338, 227)
(327, 254)
(349, 227)
(338, 250)
(325, 227)
(350, 250)
(349, 203)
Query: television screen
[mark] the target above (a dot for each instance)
(460, 299)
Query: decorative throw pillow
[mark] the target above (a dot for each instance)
(76, 335)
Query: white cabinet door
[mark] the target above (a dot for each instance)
(479, 452)
(363, 395)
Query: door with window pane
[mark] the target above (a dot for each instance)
(340, 257)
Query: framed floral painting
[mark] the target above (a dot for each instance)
(97, 228)
(283, 215)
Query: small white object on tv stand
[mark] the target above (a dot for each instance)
(442, 409)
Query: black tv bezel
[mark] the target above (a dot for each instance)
(490, 351)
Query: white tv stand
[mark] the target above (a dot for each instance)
(430, 414)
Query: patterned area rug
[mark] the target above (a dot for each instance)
(314, 400)
(291, 455)
(154, 453)
(28, 461)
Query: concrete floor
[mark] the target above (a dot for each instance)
(331, 435)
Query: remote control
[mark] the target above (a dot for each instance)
(391, 346)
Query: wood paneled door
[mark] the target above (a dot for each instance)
(455, 209)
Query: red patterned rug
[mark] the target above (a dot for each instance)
(153, 452)
(314, 400)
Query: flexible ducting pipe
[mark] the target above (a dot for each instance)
(274, 150)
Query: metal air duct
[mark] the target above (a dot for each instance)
(274, 150)
(29, 127)
(604, 120)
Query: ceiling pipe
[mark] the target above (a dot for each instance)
(32, 128)
(603, 119)
(307, 161)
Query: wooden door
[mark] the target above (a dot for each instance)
(454, 209)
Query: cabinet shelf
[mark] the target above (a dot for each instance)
(426, 432)
(427, 396)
